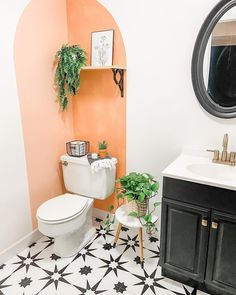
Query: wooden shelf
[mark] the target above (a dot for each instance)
(87, 68)
(116, 70)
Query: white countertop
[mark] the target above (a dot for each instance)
(198, 167)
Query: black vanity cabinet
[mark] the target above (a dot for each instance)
(198, 236)
(185, 239)
(221, 263)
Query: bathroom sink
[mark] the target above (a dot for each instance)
(198, 167)
(215, 171)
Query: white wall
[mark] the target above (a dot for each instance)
(15, 216)
(163, 113)
(229, 15)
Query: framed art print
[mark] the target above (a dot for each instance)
(102, 48)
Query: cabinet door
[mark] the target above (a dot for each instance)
(184, 238)
(221, 265)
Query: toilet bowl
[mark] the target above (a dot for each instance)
(68, 218)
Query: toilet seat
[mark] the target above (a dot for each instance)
(62, 208)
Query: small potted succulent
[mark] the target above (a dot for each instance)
(137, 188)
(102, 146)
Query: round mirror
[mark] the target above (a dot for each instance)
(214, 61)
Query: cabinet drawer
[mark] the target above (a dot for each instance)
(199, 194)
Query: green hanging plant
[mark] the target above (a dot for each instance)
(69, 61)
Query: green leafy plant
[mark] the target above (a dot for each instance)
(69, 60)
(137, 186)
(140, 187)
(102, 145)
(149, 220)
(110, 220)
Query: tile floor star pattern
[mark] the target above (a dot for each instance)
(99, 268)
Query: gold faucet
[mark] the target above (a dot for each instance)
(225, 157)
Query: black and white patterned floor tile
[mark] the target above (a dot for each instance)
(99, 268)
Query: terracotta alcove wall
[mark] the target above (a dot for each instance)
(97, 113)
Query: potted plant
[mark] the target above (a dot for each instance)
(137, 188)
(102, 146)
(69, 60)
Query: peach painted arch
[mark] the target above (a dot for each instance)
(97, 113)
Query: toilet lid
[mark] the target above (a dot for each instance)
(62, 207)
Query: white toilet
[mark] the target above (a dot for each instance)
(68, 218)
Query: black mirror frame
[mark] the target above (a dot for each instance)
(198, 58)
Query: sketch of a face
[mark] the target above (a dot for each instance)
(102, 51)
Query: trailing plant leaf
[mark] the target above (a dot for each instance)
(154, 187)
(109, 219)
(148, 218)
(120, 196)
(156, 204)
(129, 198)
(133, 214)
(141, 197)
(69, 61)
(149, 176)
(110, 208)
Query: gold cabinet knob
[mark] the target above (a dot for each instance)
(214, 224)
(204, 221)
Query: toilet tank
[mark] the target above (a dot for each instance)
(79, 179)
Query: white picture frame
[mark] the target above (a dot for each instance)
(102, 44)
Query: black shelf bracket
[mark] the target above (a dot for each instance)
(119, 82)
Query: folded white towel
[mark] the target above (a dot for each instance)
(103, 164)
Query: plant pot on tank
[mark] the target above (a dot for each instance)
(102, 146)
(137, 189)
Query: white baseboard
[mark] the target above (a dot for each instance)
(32, 237)
(98, 213)
(101, 214)
(19, 246)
